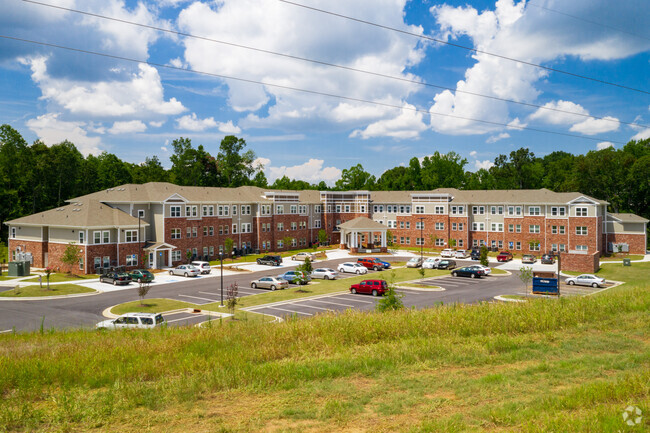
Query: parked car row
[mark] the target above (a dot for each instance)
(117, 278)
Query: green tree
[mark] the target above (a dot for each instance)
(235, 167)
(392, 300)
(483, 258)
(71, 256)
(322, 236)
(442, 171)
(143, 289)
(287, 240)
(228, 244)
(526, 275)
(151, 170)
(231, 297)
(355, 178)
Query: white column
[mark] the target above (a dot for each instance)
(169, 258)
(383, 239)
(354, 240)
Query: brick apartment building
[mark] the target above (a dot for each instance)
(161, 223)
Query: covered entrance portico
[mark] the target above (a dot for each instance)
(159, 255)
(353, 230)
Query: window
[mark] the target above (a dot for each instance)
(518, 228)
(280, 243)
(294, 226)
(280, 227)
(106, 237)
(205, 230)
(439, 210)
(293, 209)
(205, 251)
(581, 230)
(558, 211)
(493, 210)
(511, 228)
(176, 233)
(246, 210)
(211, 231)
(454, 226)
(478, 227)
(460, 242)
(534, 246)
(234, 229)
(440, 242)
(581, 248)
(140, 213)
(247, 228)
(317, 224)
(581, 211)
(211, 251)
(363, 208)
(294, 242)
(401, 240)
(175, 211)
(13, 233)
(419, 225)
(533, 228)
(554, 247)
(408, 224)
(131, 236)
(225, 230)
(266, 209)
(392, 224)
(497, 227)
(191, 211)
(518, 245)
(461, 227)
(98, 262)
(562, 248)
(401, 224)
(234, 210)
(514, 210)
(81, 237)
(176, 255)
(534, 210)
(457, 210)
(419, 209)
(347, 208)
(132, 260)
(389, 208)
(338, 208)
(106, 261)
(81, 263)
(408, 240)
(318, 208)
(97, 237)
(440, 226)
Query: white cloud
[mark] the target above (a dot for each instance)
(516, 124)
(156, 124)
(641, 135)
(228, 127)
(408, 124)
(558, 118)
(141, 95)
(311, 171)
(495, 138)
(127, 127)
(191, 122)
(164, 149)
(274, 26)
(473, 153)
(263, 162)
(533, 35)
(596, 126)
(604, 145)
(51, 131)
(483, 164)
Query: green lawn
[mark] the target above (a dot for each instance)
(55, 290)
(254, 257)
(151, 305)
(60, 277)
(620, 257)
(5, 277)
(568, 365)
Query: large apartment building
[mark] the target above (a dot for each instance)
(161, 223)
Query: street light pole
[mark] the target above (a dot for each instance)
(139, 241)
(221, 260)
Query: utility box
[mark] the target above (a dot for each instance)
(17, 269)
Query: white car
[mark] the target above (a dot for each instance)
(461, 254)
(203, 267)
(324, 273)
(431, 263)
(302, 256)
(447, 252)
(133, 321)
(586, 280)
(185, 270)
(352, 268)
(486, 269)
(415, 262)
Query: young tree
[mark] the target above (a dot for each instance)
(287, 241)
(389, 238)
(391, 300)
(71, 256)
(322, 236)
(48, 272)
(188, 255)
(143, 289)
(307, 266)
(484, 256)
(231, 297)
(526, 275)
(227, 245)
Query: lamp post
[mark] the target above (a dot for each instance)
(139, 241)
(221, 279)
(421, 235)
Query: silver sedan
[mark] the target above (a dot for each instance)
(324, 273)
(185, 270)
(270, 283)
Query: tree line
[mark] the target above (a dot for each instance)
(36, 177)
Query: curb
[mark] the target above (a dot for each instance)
(273, 304)
(45, 298)
(501, 298)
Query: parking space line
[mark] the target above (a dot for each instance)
(318, 308)
(5, 331)
(182, 318)
(354, 299)
(290, 311)
(333, 303)
(198, 297)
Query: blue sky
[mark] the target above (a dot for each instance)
(135, 110)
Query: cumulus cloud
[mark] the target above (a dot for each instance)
(486, 164)
(407, 125)
(641, 135)
(473, 153)
(604, 145)
(596, 126)
(532, 35)
(127, 127)
(311, 171)
(559, 118)
(51, 130)
(495, 138)
(278, 27)
(191, 122)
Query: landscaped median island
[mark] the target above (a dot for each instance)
(38, 291)
(59, 277)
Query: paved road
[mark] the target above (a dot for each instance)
(85, 311)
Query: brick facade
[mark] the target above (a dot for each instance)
(587, 263)
(637, 243)
(36, 248)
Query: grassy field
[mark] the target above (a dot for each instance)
(567, 365)
(60, 277)
(5, 277)
(55, 290)
(153, 305)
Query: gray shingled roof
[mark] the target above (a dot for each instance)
(86, 213)
(362, 223)
(629, 218)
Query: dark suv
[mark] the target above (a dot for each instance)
(373, 263)
(270, 260)
(548, 259)
(475, 254)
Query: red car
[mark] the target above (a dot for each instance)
(504, 256)
(374, 287)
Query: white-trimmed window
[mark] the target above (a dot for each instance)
(280, 243)
(554, 247)
(419, 225)
(175, 211)
(246, 209)
(440, 242)
(582, 248)
(497, 227)
(478, 210)
(454, 226)
(266, 209)
(581, 230)
(13, 233)
(234, 209)
(439, 210)
(211, 251)
(533, 228)
(534, 210)
(247, 228)
(211, 231)
(392, 224)
(234, 229)
(106, 237)
(191, 211)
(176, 255)
(82, 237)
(132, 260)
(518, 228)
(294, 242)
(205, 251)
(558, 211)
(534, 246)
(318, 208)
(418, 209)
(461, 227)
(440, 226)
(511, 228)
(293, 209)
(131, 236)
(457, 210)
(316, 224)
(347, 208)
(81, 263)
(562, 248)
(581, 211)
(280, 226)
(195, 232)
(408, 224)
(478, 227)
(362, 208)
(338, 208)
(279, 209)
(140, 213)
(419, 241)
(176, 233)
(294, 225)
(518, 245)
